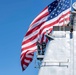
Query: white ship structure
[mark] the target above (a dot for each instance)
(60, 52)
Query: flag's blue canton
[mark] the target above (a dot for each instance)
(57, 7)
(53, 5)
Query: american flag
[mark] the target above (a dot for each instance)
(55, 14)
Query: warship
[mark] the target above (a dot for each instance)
(58, 56)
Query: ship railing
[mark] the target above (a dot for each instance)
(55, 63)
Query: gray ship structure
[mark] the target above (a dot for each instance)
(58, 57)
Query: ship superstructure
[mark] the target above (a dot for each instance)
(59, 56)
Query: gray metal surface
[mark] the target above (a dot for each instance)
(62, 28)
(60, 56)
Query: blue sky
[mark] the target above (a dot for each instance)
(15, 18)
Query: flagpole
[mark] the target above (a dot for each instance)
(72, 41)
(71, 4)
